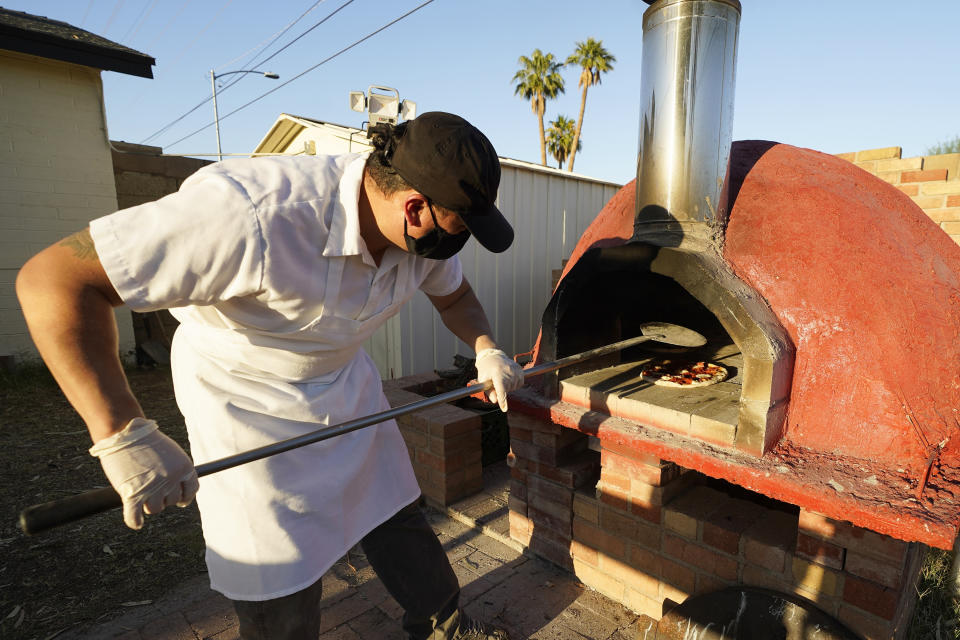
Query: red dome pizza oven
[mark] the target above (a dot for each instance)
(830, 297)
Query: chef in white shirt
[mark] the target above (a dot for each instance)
(278, 269)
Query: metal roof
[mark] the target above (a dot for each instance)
(40, 36)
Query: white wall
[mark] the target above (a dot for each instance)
(549, 211)
(56, 173)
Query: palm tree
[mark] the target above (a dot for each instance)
(593, 60)
(538, 80)
(560, 139)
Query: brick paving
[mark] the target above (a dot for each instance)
(525, 595)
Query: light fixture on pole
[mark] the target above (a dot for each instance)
(382, 104)
(213, 84)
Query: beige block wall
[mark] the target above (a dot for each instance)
(55, 173)
(932, 182)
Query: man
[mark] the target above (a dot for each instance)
(278, 269)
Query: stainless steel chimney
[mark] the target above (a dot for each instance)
(686, 120)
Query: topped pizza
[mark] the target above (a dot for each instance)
(684, 374)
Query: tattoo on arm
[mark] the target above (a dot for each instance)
(82, 244)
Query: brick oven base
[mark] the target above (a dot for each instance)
(649, 534)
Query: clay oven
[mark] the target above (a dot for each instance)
(833, 301)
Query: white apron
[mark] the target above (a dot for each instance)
(246, 375)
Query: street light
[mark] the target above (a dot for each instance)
(213, 83)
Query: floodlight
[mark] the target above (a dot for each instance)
(408, 110)
(358, 101)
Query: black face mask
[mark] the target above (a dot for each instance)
(435, 244)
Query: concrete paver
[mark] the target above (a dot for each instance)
(527, 596)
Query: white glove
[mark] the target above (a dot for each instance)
(148, 469)
(493, 364)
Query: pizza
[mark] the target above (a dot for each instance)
(684, 374)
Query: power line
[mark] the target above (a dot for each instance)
(240, 76)
(135, 27)
(272, 38)
(281, 49)
(116, 10)
(300, 75)
(169, 22)
(216, 17)
(83, 22)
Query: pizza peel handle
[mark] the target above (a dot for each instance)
(50, 514)
(45, 516)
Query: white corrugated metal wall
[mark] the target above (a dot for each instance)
(549, 210)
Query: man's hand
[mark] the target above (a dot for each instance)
(493, 364)
(148, 469)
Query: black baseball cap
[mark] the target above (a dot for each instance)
(452, 163)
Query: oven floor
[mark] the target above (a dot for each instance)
(709, 413)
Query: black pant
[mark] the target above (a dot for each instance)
(408, 559)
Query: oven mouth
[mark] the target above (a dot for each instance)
(611, 291)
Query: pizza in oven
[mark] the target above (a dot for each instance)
(684, 374)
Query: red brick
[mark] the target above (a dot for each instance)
(888, 575)
(820, 551)
(648, 535)
(651, 513)
(542, 527)
(636, 578)
(758, 577)
(766, 556)
(598, 539)
(871, 597)
(586, 507)
(868, 626)
(924, 175)
(599, 580)
(516, 504)
(557, 554)
(543, 514)
(678, 576)
(673, 546)
(645, 560)
(708, 584)
(430, 460)
(540, 487)
(611, 478)
(520, 528)
(629, 452)
(521, 421)
(613, 497)
(700, 557)
(721, 538)
(846, 535)
(582, 470)
(518, 489)
(617, 523)
(523, 435)
(910, 189)
(582, 552)
(699, 502)
(653, 474)
(532, 452)
(953, 201)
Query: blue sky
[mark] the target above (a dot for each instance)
(832, 75)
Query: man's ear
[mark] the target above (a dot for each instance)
(414, 208)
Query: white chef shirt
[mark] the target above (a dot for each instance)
(263, 264)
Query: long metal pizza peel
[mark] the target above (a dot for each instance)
(41, 517)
